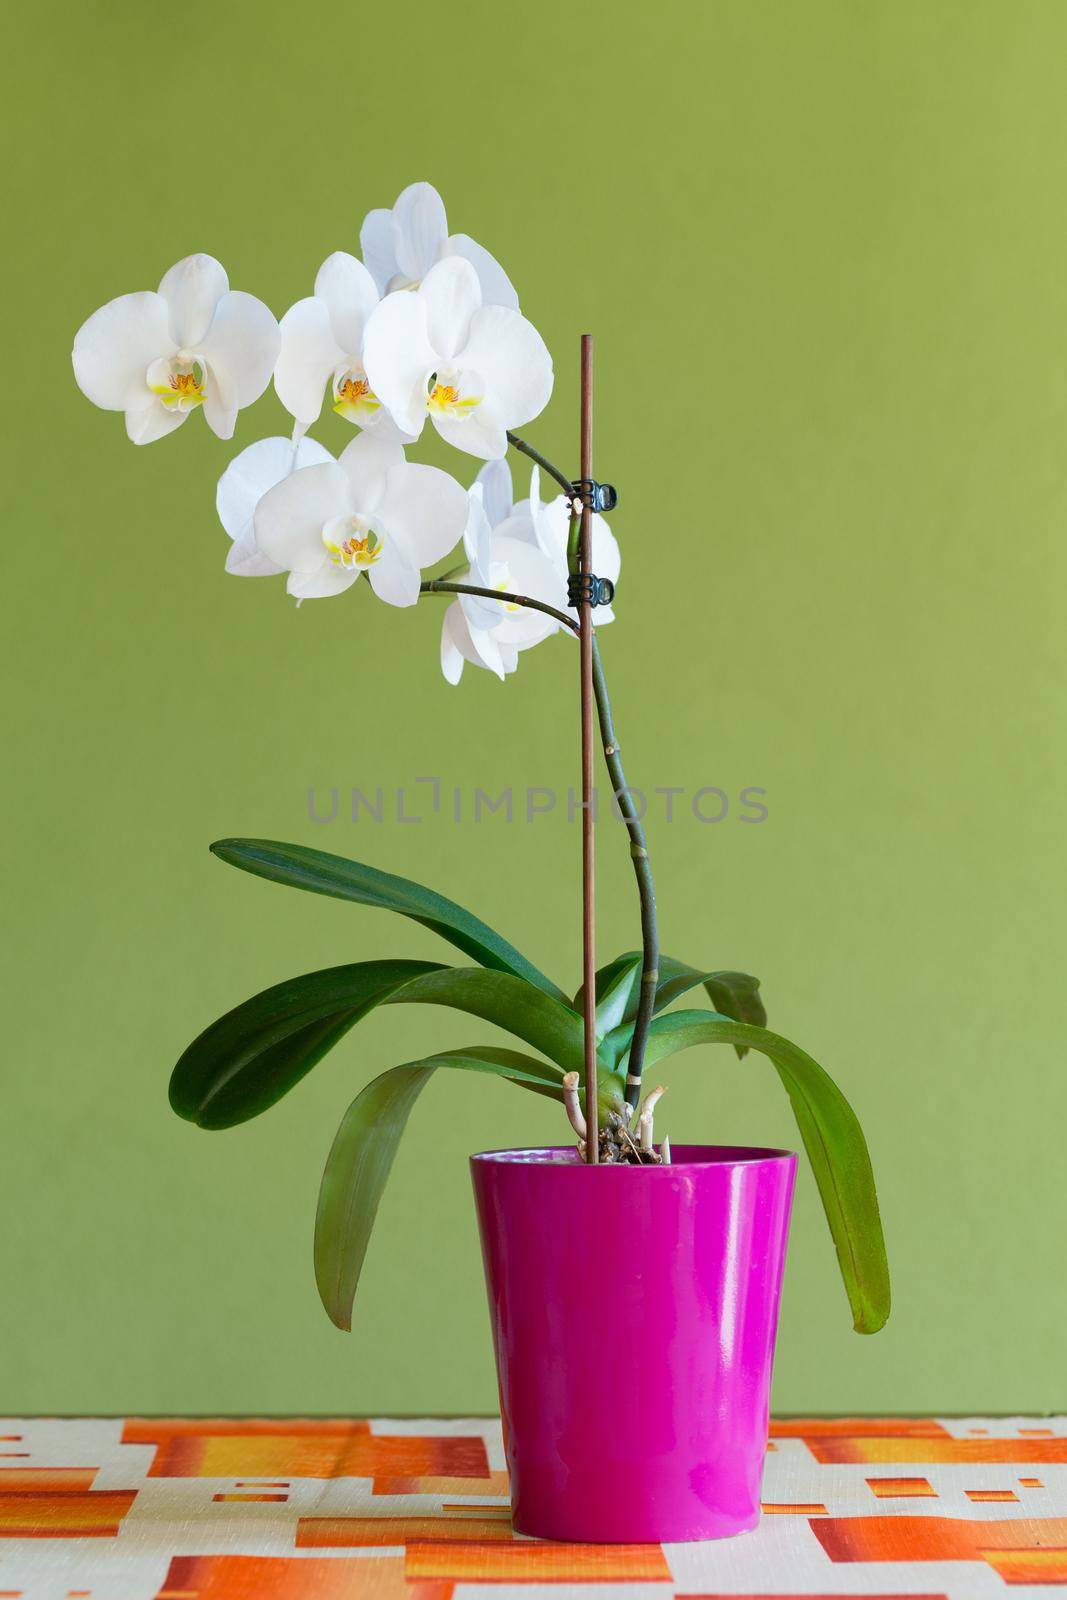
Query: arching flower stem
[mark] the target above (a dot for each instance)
(628, 811)
(623, 798)
(543, 462)
(443, 586)
(646, 889)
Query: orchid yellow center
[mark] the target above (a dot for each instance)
(183, 386)
(503, 586)
(350, 542)
(353, 396)
(451, 398)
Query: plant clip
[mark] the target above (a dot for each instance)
(595, 496)
(583, 588)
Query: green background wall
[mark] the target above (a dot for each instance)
(823, 249)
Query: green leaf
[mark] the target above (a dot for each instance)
(362, 1155)
(320, 873)
(733, 994)
(617, 985)
(512, 1003)
(606, 977)
(736, 995)
(243, 1063)
(832, 1138)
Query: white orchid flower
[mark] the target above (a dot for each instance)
(400, 246)
(494, 480)
(493, 633)
(243, 485)
(476, 370)
(547, 527)
(195, 342)
(371, 511)
(322, 343)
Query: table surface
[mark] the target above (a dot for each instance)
(390, 1509)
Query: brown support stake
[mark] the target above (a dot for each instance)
(585, 620)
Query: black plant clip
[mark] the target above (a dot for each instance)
(595, 496)
(584, 589)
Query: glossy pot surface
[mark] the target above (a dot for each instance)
(634, 1312)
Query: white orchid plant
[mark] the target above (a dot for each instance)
(427, 326)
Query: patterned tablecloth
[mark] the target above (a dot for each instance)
(289, 1509)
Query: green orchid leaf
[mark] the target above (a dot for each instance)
(510, 1002)
(733, 994)
(247, 1060)
(320, 873)
(606, 978)
(616, 984)
(832, 1138)
(362, 1155)
(736, 995)
(618, 997)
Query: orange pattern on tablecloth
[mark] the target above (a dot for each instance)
(911, 1538)
(902, 1488)
(303, 1509)
(1029, 1566)
(530, 1561)
(45, 1480)
(94, 1514)
(810, 1508)
(494, 1483)
(263, 1448)
(857, 1427)
(293, 1578)
(858, 1450)
(367, 1532)
(483, 1549)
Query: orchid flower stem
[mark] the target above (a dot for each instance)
(645, 887)
(543, 462)
(442, 586)
(623, 799)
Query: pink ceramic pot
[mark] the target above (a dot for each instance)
(634, 1313)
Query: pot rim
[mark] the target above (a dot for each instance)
(564, 1157)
